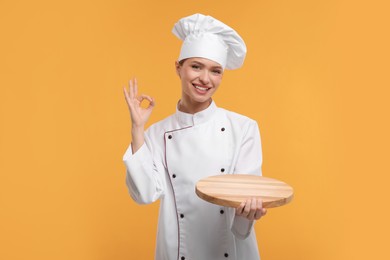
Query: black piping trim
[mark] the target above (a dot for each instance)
(173, 190)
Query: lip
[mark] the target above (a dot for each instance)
(200, 91)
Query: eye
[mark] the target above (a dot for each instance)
(217, 71)
(195, 66)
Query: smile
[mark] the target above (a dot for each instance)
(201, 88)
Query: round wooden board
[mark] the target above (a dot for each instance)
(231, 189)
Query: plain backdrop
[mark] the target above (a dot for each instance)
(316, 79)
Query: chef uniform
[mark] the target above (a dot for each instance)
(184, 148)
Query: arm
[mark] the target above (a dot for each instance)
(249, 162)
(142, 178)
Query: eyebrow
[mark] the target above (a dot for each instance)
(213, 67)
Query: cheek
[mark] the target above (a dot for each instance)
(217, 81)
(184, 78)
(189, 74)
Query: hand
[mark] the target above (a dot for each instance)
(139, 115)
(252, 209)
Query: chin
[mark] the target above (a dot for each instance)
(201, 99)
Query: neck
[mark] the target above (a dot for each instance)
(193, 107)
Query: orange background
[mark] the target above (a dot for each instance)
(316, 78)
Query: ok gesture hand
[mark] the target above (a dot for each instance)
(139, 115)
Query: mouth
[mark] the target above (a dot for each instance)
(201, 88)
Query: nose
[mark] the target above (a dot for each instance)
(204, 77)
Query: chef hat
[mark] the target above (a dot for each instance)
(206, 37)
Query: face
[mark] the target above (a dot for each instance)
(200, 78)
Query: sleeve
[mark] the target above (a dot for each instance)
(249, 162)
(143, 180)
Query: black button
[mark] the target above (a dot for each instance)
(222, 169)
(223, 129)
(169, 136)
(174, 175)
(182, 215)
(226, 254)
(221, 211)
(183, 258)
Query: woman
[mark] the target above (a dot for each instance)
(199, 140)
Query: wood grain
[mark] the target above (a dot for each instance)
(231, 189)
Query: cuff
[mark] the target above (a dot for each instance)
(242, 227)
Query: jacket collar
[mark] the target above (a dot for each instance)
(186, 119)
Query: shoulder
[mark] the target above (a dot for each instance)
(240, 125)
(237, 119)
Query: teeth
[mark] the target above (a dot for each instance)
(200, 88)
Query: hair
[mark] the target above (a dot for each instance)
(181, 62)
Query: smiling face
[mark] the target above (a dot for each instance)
(200, 78)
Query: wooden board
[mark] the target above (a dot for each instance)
(231, 189)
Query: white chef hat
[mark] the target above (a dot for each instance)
(206, 37)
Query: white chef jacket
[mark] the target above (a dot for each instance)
(180, 150)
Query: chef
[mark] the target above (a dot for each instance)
(199, 140)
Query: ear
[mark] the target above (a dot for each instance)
(177, 67)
